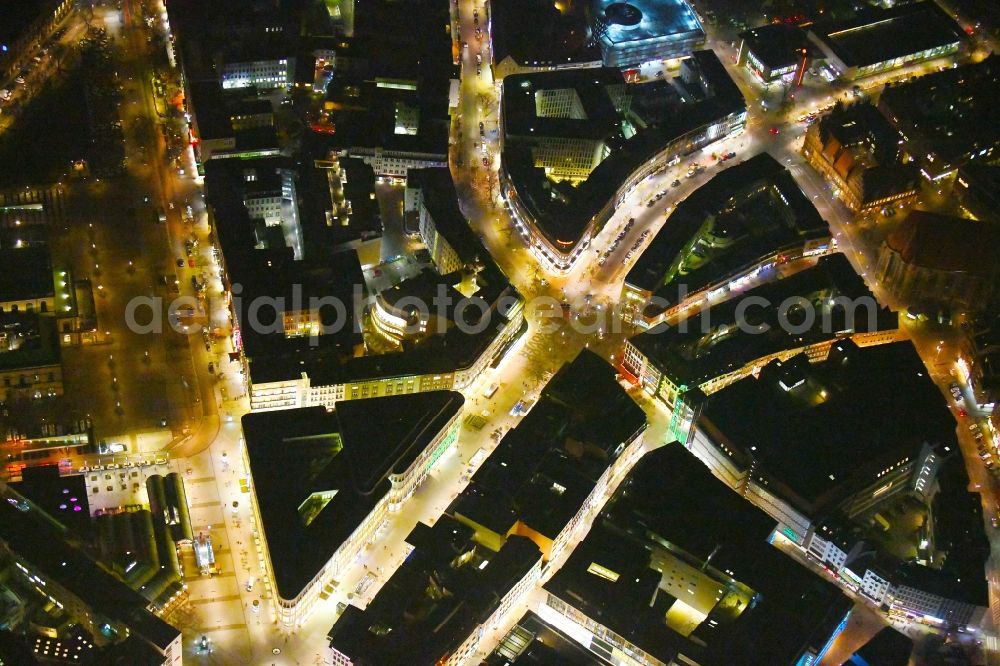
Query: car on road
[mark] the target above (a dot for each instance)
(773, 131)
(676, 183)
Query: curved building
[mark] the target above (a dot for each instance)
(638, 31)
(575, 143)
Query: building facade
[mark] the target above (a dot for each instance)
(304, 392)
(851, 160)
(940, 261)
(17, 50)
(263, 74)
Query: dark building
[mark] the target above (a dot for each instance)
(977, 188)
(938, 261)
(575, 143)
(700, 582)
(437, 604)
(563, 456)
(64, 497)
(775, 52)
(888, 647)
(728, 341)
(746, 218)
(752, 432)
(389, 100)
(535, 34)
(30, 358)
(114, 617)
(330, 479)
(947, 118)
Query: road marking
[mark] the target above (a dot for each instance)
(204, 479)
(201, 505)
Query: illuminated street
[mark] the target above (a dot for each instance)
(172, 399)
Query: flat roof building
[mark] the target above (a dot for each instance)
(729, 340)
(775, 51)
(30, 357)
(881, 40)
(947, 118)
(419, 307)
(638, 31)
(888, 646)
(575, 143)
(115, 617)
(535, 35)
(561, 458)
(815, 434)
(437, 604)
(749, 215)
(27, 282)
(698, 583)
(389, 103)
(977, 188)
(331, 479)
